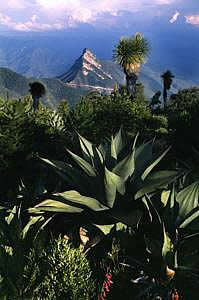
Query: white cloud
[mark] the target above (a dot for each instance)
(5, 20)
(88, 10)
(57, 14)
(194, 20)
(31, 25)
(175, 17)
(14, 4)
(34, 18)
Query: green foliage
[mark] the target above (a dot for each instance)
(106, 181)
(131, 52)
(171, 239)
(158, 124)
(162, 255)
(19, 246)
(67, 274)
(64, 110)
(182, 113)
(101, 116)
(155, 101)
(22, 133)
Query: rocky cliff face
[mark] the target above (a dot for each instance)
(88, 70)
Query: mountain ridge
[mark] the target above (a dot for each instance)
(14, 85)
(50, 54)
(88, 70)
(88, 73)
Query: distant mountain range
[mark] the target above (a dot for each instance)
(174, 46)
(53, 57)
(86, 74)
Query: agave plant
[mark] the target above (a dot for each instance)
(108, 182)
(17, 245)
(172, 244)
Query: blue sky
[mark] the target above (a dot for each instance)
(46, 15)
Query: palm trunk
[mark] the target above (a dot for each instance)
(165, 96)
(35, 103)
(131, 79)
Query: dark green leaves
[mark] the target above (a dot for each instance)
(188, 199)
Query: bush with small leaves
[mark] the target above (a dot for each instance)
(67, 274)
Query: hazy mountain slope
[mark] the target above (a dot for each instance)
(152, 82)
(89, 70)
(33, 56)
(173, 46)
(13, 85)
(85, 75)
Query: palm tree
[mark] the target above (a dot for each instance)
(37, 90)
(130, 53)
(167, 78)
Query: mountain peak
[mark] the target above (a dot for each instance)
(90, 71)
(86, 50)
(89, 62)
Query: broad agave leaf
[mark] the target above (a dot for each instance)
(191, 222)
(110, 176)
(86, 167)
(118, 142)
(106, 229)
(33, 220)
(143, 157)
(68, 202)
(171, 213)
(188, 200)
(151, 167)
(113, 183)
(54, 206)
(182, 209)
(165, 197)
(74, 177)
(157, 180)
(168, 246)
(15, 212)
(90, 152)
(74, 197)
(126, 167)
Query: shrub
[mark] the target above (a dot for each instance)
(67, 273)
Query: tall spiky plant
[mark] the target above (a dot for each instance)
(130, 53)
(171, 239)
(106, 181)
(37, 90)
(167, 78)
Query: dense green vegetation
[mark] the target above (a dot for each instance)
(58, 183)
(100, 201)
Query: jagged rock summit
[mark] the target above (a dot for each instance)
(90, 71)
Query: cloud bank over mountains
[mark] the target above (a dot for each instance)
(46, 15)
